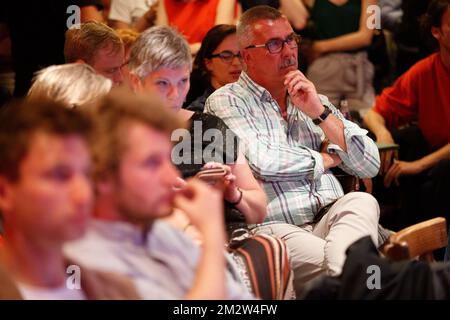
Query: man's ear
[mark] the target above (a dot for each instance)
(436, 33)
(136, 83)
(6, 199)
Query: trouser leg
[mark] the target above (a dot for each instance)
(306, 251)
(352, 217)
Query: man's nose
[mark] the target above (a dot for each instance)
(173, 92)
(81, 190)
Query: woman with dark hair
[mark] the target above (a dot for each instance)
(215, 64)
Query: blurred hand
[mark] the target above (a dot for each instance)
(400, 168)
(202, 204)
(230, 190)
(180, 183)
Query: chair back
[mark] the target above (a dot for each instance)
(417, 241)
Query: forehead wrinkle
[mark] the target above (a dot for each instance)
(258, 26)
(263, 28)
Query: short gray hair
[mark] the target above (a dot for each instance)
(73, 84)
(159, 47)
(244, 30)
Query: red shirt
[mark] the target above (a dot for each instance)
(192, 18)
(422, 93)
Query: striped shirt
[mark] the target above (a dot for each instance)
(284, 155)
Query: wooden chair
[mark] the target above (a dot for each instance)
(417, 241)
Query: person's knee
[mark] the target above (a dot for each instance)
(367, 198)
(364, 203)
(362, 197)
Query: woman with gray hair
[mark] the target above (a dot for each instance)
(74, 84)
(159, 53)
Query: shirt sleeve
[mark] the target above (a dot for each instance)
(362, 158)
(398, 103)
(269, 158)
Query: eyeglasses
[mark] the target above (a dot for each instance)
(226, 56)
(276, 45)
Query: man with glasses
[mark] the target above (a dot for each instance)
(292, 137)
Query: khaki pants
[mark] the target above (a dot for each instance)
(319, 248)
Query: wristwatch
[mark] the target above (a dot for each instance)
(323, 116)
